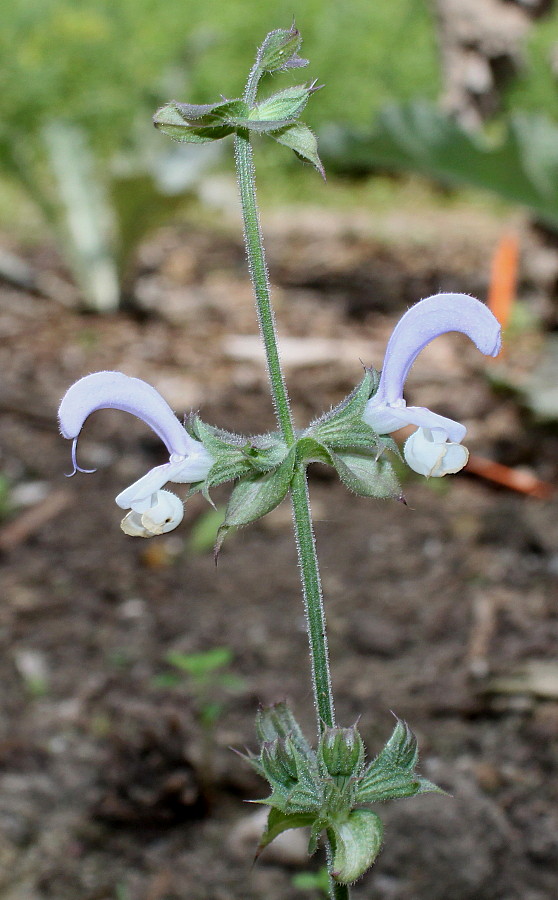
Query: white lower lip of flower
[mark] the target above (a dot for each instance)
(180, 469)
(431, 455)
(163, 515)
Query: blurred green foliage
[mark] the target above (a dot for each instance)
(103, 63)
(515, 157)
(80, 82)
(313, 881)
(96, 63)
(521, 167)
(536, 88)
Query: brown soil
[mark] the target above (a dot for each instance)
(104, 790)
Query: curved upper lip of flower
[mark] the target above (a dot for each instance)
(423, 322)
(114, 390)
(189, 460)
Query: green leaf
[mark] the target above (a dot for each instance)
(341, 751)
(357, 842)
(226, 468)
(521, 168)
(284, 106)
(313, 881)
(278, 822)
(215, 439)
(318, 826)
(194, 123)
(308, 450)
(302, 140)
(187, 134)
(205, 114)
(392, 774)
(256, 495)
(200, 664)
(278, 759)
(400, 752)
(367, 475)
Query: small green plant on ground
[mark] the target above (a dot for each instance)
(209, 681)
(313, 881)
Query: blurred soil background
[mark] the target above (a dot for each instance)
(130, 668)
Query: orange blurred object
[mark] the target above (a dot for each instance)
(515, 479)
(503, 278)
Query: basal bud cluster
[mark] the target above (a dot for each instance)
(325, 789)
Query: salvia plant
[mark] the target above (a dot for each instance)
(329, 787)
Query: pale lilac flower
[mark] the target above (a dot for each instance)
(153, 511)
(435, 448)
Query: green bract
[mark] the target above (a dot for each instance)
(355, 449)
(324, 789)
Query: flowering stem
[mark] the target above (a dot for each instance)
(299, 489)
(302, 515)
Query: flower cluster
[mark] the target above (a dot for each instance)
(434, 449)
(152, 510)
(264, 465)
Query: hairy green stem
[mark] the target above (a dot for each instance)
(313, 602)
(302, 516)
(260, 282)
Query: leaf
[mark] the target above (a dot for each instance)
(256, 495)
(522, 168)
(357, 843)
(302, 140)
(392, 774)
(87, 216)
(367, 475)
(206, 114)
(284, 106)
(188, 134)
(308, 450)
(195, 123)
(400, 752)
(278, 822)
(199, 665)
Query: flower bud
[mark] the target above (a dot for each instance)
(342, 751)
(280, 50)
(278, 759)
